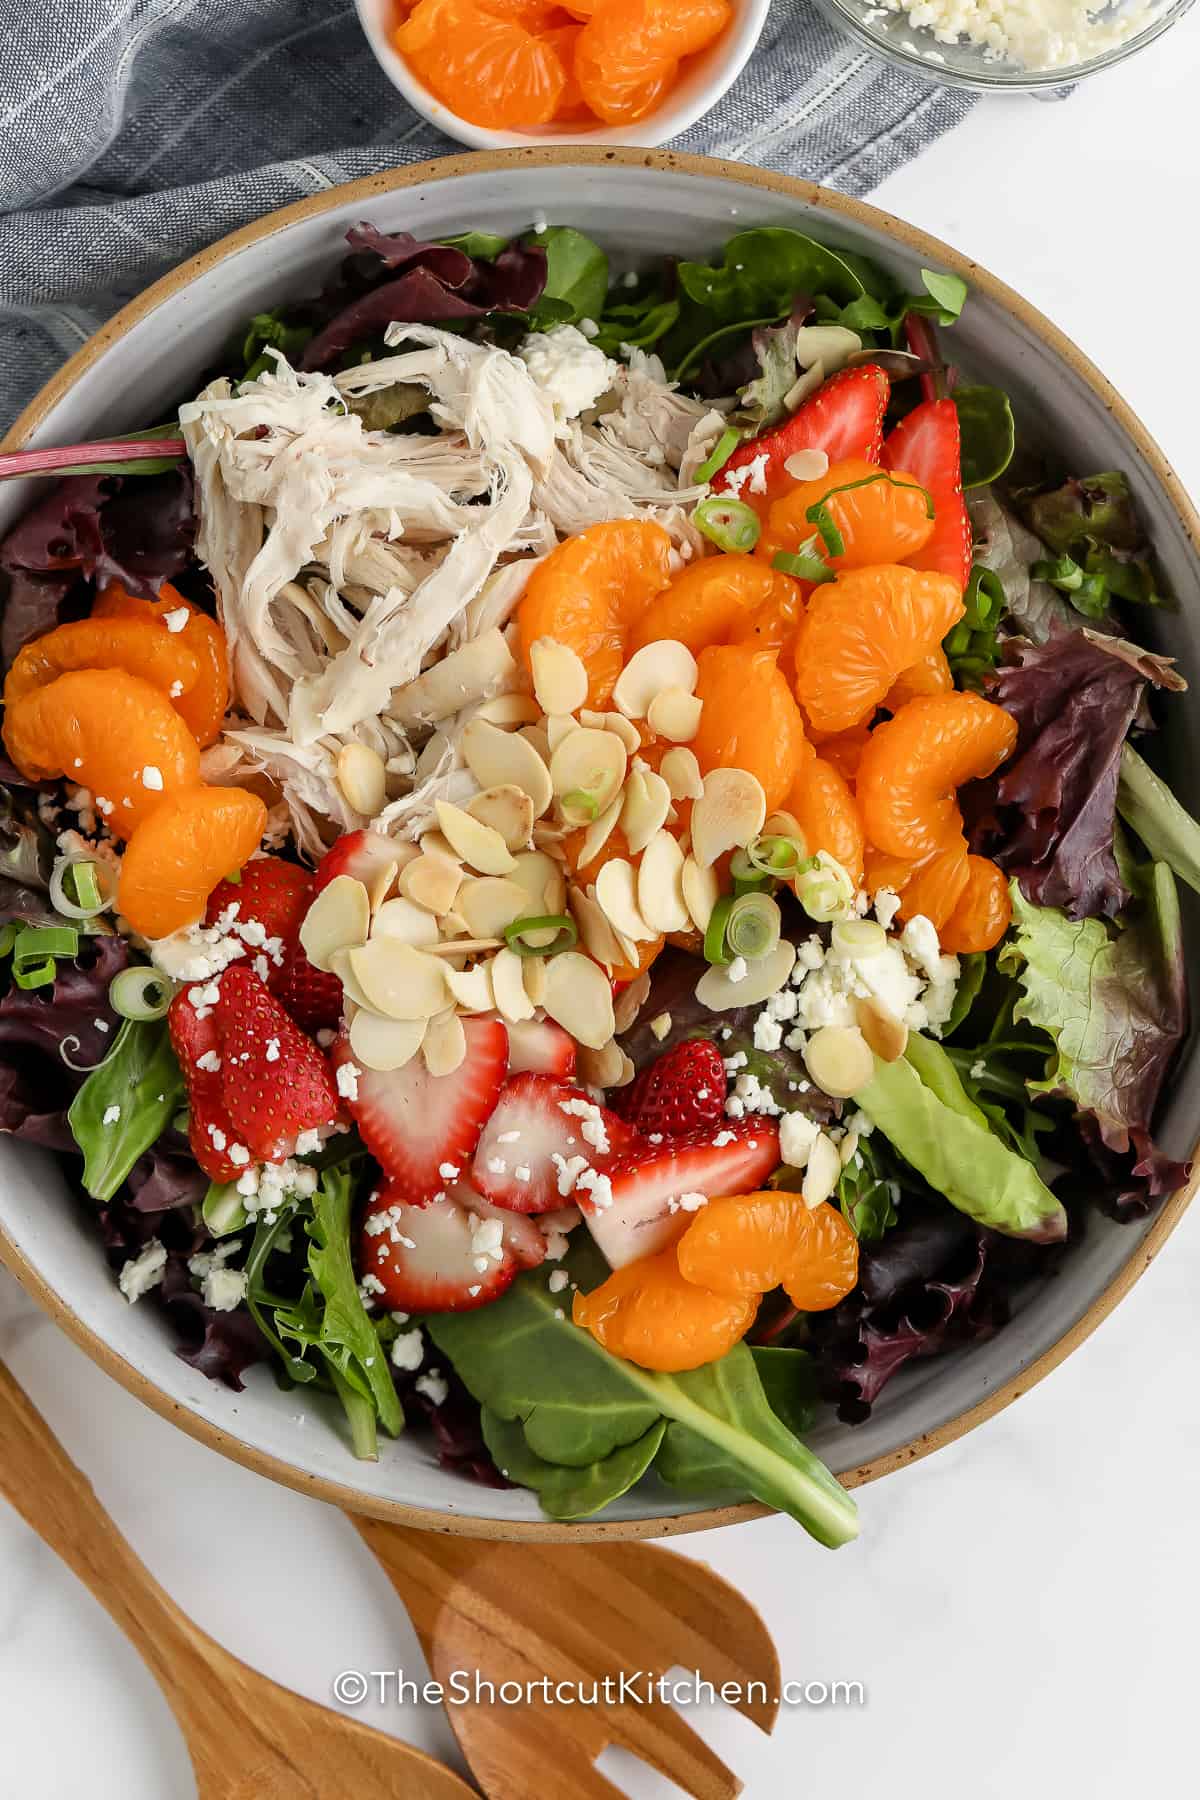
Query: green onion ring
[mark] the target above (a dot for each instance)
(729, 524)
(753, 926)
(140, 993)
(94, 884)
(568, 934)
(719, 455)
(714, 933)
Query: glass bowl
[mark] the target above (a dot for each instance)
(892, 36)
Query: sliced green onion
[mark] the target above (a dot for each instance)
(825, 892)
(140, 993)
(729, 524)
(515, 935)
(35, 949)
(81, 887)
(805, 564)
(35, 975)
(714, 935)
(719, 455)
(820, 515)
(746, 878)
(580, 801)
(858, 937)
(1063, 572)
(753, 926)
(783, 857)
(224, 1209)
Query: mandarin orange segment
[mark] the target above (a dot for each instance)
(112, 733)
(622, 99)
(823, 805)
(844, 750)
(136, 645)
(750, 1243)
(882, 522)
(915, 763)
(572, 107)
(984, 910)
(490, 71)
(177, 857)
(936, 885)
(773, 625)
(929, 675)
(649, 1315)
(590, 590)
(860, 631)
(749, 719)
(202, 706)
(713, 601)
(628, 54)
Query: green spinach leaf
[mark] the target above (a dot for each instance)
(576, 277)
(989, 433)
(484, 246)
(125, 1105)
(569, 1493)
(789, 1380)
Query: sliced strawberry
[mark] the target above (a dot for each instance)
(538, 1126)
(367, 855)
(438, 1257)
(268, 892)
(313, 997)
(211, 1131)
(844, 418)
(650, 1186)
(541, 1047)
(275, 1082)
(682, 1093)
(928, 446)
(522, 1234)
(422, 1128)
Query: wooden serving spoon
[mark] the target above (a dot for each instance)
(577, 1614)
(248, 1738)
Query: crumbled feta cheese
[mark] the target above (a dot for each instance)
(687, 1202)
(177, 619)
(887, 905)
(175, 690)
(111, 1115)
(978, 1069)
(408, 1349)
(224, 1289)
(347, 1080)
(487, 1241)
(797, 1135)
(569, 1169)
(592, 1130)
(768, 1032)
(210, 1062)
(737, 969)
(448, 1171)
(152, 778)
(571, 372)
(1051, 34)
(598, 1186)
(434, 1386)
(143, 1272)
(558, 1280)
(660, 1025)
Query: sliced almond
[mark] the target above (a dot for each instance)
(885, 1033)
(839, 1059)
(587, 771)
(607, 1067)
(681, 772)
(362, 777)
(542, 879)
(398, 980)
(579, 998)
(339, 963)
(701, 891)
(727, 815)
(537, 736)
(479, 845)
(822, 1172)
(498, 758)
(782, 824)
(758, 980)
(560, 680)
(629, 1002)
(384, 1044)
(807, 465)
(596, 934)
(557, 727)
(675, 714)
(407, 922)
(445, 1043)
(436, 843)
(473, 671)
(382, 876)
(623, 728)
(508, 986)
(452, 924)
(472, 988)
(596, 720)
(338, 919)
(660, 1026)
(599, 832)
(508, 711)
(491, 903)
(616, 894)
(644, 810)
(533, 973)
(664, 664)
(464, 947)
(431, 881)
(660, 886)
(508, 810)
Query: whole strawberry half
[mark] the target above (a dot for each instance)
(210, 1131)
(683, 1092)
(275, 1082)
(276, 895)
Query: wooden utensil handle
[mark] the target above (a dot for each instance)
(57, 1501)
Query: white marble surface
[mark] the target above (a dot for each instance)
(1020, 1607)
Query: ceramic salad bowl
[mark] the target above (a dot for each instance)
(635, 204)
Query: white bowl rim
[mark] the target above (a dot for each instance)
(728, 56)
(1142, 1252)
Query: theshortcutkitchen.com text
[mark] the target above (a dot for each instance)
(631, 1687)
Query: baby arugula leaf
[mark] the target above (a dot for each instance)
(922, 1108)
(125, 1105)
(567, 1493)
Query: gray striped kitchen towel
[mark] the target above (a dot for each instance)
(135, 132)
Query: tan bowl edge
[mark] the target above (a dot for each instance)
(931, 250)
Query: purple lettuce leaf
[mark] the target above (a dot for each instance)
(455, 1424)
(138, 531)
(1048, 817)
(34, 605)
(166, 1178)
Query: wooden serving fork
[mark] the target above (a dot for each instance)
(577, 1614)
(248, 1738)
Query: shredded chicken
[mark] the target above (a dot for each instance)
(348, 563)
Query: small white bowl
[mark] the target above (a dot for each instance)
(708, 75)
